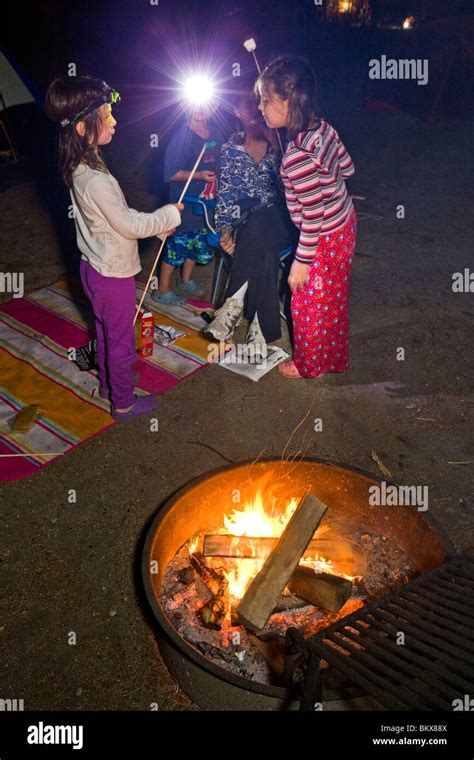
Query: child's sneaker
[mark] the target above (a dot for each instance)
(257, 350)
(225, 320)
(142, 405)
(190, 287)
(168, 299)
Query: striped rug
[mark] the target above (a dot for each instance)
(36, 333)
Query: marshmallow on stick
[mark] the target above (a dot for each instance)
(250, 45)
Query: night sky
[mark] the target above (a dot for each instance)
(135, 43)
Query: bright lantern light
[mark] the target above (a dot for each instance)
(198, 89)
(408, 23)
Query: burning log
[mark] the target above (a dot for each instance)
(247, 547)
(242, 547)
(208, 575)
(264, 591)
(321, 589)
(186, 575)
(214, 611)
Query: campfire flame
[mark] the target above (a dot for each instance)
(265, 520)
(262, 516)
(321, 565)
(253, 520)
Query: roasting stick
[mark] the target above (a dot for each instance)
(188, 181)
(52, 454)
(250, 45)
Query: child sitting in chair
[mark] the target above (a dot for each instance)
(190, 245)
(250, 188)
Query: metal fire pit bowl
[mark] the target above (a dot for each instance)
(202, 504)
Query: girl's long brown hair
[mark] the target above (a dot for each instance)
(66, 97)
(292, 79)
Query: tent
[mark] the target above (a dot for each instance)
(21, 106)
(13, 90)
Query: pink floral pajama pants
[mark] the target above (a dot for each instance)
(320, 309)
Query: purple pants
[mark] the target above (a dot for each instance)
(113, 303)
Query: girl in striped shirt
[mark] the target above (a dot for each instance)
(314, 169)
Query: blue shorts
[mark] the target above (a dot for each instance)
(188, 245)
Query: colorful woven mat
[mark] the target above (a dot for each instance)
(36, 335)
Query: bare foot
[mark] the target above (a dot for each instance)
(288, 369)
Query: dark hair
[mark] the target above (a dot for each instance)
(292, 79)
(246, 97)
(66, 97)
(244, 91)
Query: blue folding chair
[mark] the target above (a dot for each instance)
(201, 207)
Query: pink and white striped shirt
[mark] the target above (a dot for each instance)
(313, 171)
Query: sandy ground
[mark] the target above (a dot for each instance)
(73, 568)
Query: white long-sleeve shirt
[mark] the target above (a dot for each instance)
(107, 229)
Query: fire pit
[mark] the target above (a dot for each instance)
(210, 542)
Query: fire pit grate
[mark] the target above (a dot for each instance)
(432, 618)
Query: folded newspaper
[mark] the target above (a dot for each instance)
(237, 360)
